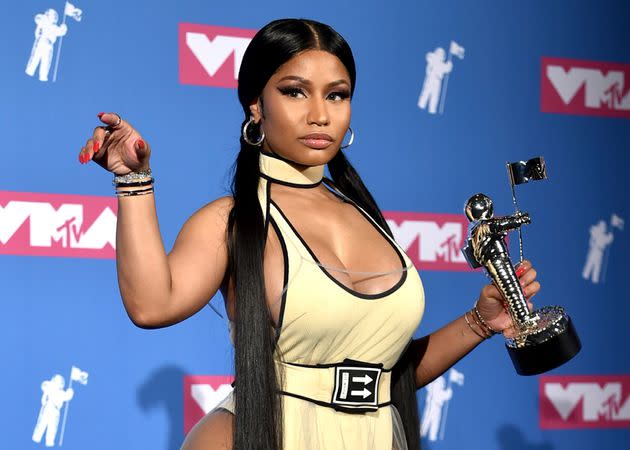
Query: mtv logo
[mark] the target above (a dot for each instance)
(57, 225)
(584, 87)
(584, 401)
(432, 241)
(211, 55)
(201, 394)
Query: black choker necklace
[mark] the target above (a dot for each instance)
(275, 169)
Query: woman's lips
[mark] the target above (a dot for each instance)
(317, 141)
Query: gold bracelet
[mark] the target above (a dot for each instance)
(470, 326)
(491, 330)
(485, 329)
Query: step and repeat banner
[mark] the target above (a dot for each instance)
(447, 93)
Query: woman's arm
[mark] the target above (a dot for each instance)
(157, 289)
(437, 352)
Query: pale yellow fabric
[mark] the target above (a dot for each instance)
(323, 323)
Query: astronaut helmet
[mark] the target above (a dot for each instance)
(52, 16)
(58, 381)
(479, 206)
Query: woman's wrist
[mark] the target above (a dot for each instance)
(134, 183)
(477, 324)
(474, 327)
(481, 322)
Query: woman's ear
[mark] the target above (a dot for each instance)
(255, 109)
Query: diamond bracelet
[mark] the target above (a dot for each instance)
(131, 178)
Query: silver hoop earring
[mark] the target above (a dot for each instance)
(246, 137)
(351, 139)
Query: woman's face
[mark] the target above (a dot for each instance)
(308, 95)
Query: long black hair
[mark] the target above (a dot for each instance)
(258, 421)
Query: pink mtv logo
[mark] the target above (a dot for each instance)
(57, 225)
(211, 55)
(432, 241)
(584, 401)
(572, 86)
(201, 394)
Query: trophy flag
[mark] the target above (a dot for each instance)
(526, 171)
(79, 375)
(69, 10)
(523, 172)
(455, 376)
(457, 50)
(72, 11)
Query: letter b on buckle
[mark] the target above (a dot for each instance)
(356, 388)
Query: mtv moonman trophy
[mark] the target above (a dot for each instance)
(545, 338)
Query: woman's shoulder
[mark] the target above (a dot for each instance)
(220, 204)
(212, 215)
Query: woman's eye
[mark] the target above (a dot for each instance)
(342, 95)
(291, 91)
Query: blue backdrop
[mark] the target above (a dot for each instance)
(63, 310)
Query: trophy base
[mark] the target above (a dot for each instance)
(551, 343)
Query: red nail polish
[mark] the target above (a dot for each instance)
(141, 144)
(81, 158)
(100, 114)
(520, 271)
(96, 146)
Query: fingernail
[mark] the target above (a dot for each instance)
(100, 114)
(81, 158)
(96, 146)
(520, 271)
(140, 143)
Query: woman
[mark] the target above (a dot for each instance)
(323, 301)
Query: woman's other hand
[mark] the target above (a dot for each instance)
(491, 304)
(117, 146)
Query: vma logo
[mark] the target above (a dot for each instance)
(202, 393)
(432, 241)
(57, 225)
(584, 401)
(211, 55)
(571, 86)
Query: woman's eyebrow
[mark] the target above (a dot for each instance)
(308, 82)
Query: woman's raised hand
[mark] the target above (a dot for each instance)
(117, 147)
(491, 304)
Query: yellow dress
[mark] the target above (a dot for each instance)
(335, 346)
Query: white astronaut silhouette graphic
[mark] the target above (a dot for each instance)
(439, 393)
(436, 77)
(600, 238)
(53, 397)
(46, 33)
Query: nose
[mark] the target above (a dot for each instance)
(317, 113)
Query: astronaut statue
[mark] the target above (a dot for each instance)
(487, 241)
(46, 33)
(437, 67)
(544, 339)
(53, 397)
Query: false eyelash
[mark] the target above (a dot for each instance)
(289, 90)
